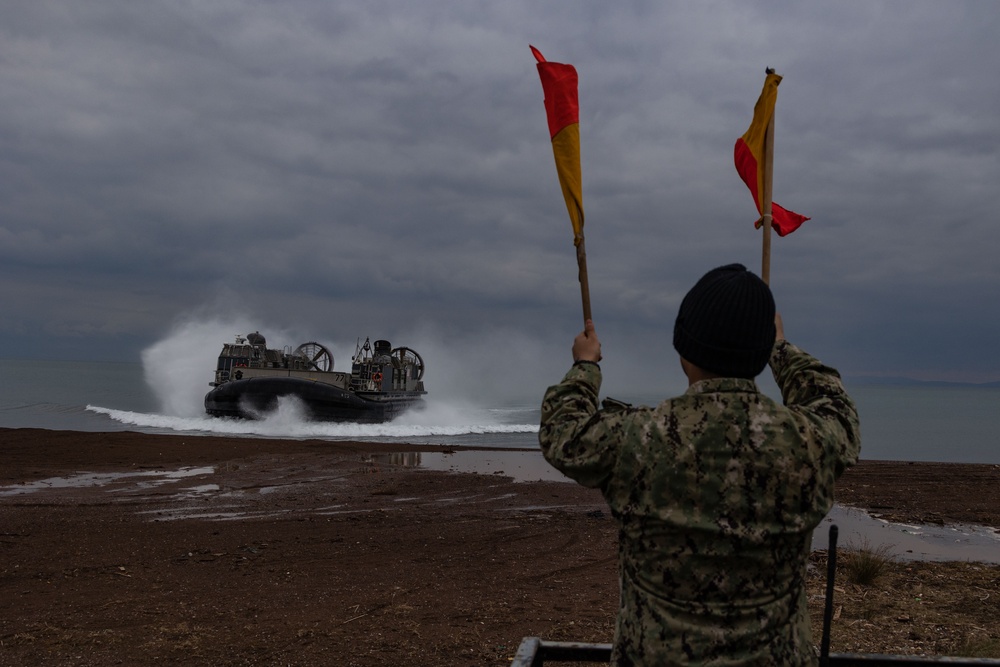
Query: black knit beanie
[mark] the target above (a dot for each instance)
(726, 323)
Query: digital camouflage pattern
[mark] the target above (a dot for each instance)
(716, 493)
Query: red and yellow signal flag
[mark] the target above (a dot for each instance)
(750, 158)
(562, 108)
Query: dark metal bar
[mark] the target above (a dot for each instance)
(535, 652)
(528, 654)
(831, 573)
(873, 660)
(575, 651)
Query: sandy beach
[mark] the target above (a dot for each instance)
(182, 550)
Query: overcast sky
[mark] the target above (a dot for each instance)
(383, 169)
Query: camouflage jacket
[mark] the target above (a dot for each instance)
(716, 493)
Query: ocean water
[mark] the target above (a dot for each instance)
(98, 397)
(166, 398)
(903, 423)
(898, 422)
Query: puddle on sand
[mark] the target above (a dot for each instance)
(81, 480)
(520, 465)
(856, 528)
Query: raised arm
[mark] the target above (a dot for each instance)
(816, 393)
(575, 435)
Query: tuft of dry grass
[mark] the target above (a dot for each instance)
(914, 608)
(864, 565)
(980, 647)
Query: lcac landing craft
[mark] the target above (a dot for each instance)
(384, 381)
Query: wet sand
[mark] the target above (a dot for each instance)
(238, 551)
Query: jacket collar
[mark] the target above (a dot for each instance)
(724, 385)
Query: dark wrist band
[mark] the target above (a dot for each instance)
(580, 362)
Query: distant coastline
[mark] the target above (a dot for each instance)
(897, 381)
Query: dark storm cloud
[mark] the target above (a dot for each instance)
(340, 167)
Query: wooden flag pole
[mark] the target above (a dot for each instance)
(581, 262)
(765, 270)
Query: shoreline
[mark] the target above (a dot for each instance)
(900, 491)
(933, 493)
(234, 551)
